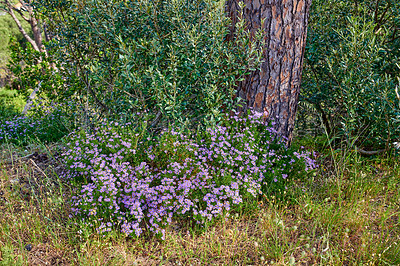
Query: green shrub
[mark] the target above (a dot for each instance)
(170, 58)
(350, 72)
(32, 67)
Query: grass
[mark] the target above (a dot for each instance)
(346, 214)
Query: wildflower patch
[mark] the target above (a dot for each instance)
(128, 182)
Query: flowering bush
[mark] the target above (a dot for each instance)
(127, 181)
(45, 125)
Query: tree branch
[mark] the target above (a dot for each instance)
(23, 16)
(369, 153)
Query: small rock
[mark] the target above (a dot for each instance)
(28, 247)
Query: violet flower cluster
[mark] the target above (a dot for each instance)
(125, 181)
(17, 128)
(43, 125)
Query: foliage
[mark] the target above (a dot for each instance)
(33, 68)
(11, 103)
(168, 57)
(35, 71)
(45, 124)
(8, 28)
(350, 72)
(124, 180)
(323, 226)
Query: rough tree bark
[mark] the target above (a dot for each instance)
(275, 88)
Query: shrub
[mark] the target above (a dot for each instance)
(33, 68)
(350, 70)
(127, 181)
(170, 58)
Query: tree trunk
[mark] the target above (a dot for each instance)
(275, 88)
(37, 34)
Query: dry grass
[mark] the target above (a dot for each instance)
(342, 217)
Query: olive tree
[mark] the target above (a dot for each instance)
(170, 59)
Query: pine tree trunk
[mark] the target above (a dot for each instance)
(275, 89)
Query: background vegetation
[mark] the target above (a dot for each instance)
(8, 28)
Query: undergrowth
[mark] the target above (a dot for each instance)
(344, 212)
(350, 218)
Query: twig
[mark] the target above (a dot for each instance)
(39, 168)
(157, 119)
(369, 153)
